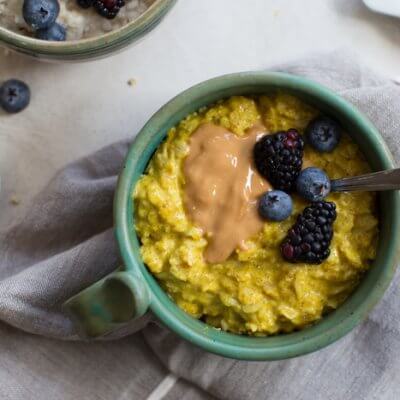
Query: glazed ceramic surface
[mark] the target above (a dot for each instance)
(91, 48)
(100, 310)
(389, 7)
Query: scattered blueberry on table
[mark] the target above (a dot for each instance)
(55, 33)
(313, 184)
(275, 205)
(323, 134)
(14, 96)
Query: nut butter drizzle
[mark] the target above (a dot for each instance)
(222, 187)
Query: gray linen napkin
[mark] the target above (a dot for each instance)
(65, 242)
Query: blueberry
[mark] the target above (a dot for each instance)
(313, 184)
(14, 96)
(55, 33)
(323, 133)
(275, 205)
(40, 14)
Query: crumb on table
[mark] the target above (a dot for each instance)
(132, 82)
(14, 200)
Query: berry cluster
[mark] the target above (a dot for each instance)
(279, 158)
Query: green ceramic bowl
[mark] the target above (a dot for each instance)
(144, 289)
(92, 48)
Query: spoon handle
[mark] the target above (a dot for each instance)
(382, 180)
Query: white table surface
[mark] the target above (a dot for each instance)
(78, 108)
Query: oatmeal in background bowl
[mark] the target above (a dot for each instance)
(77, 30)
(80, 23)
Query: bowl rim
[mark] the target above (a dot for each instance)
(236, 346)
(96, 44)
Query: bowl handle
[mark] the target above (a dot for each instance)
(108, 304)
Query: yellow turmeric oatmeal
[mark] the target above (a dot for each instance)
(253, 290)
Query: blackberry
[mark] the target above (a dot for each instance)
(309, 238)
(279, 158)
(108, 8)
(85, 3)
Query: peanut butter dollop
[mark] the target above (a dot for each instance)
(222, 187)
